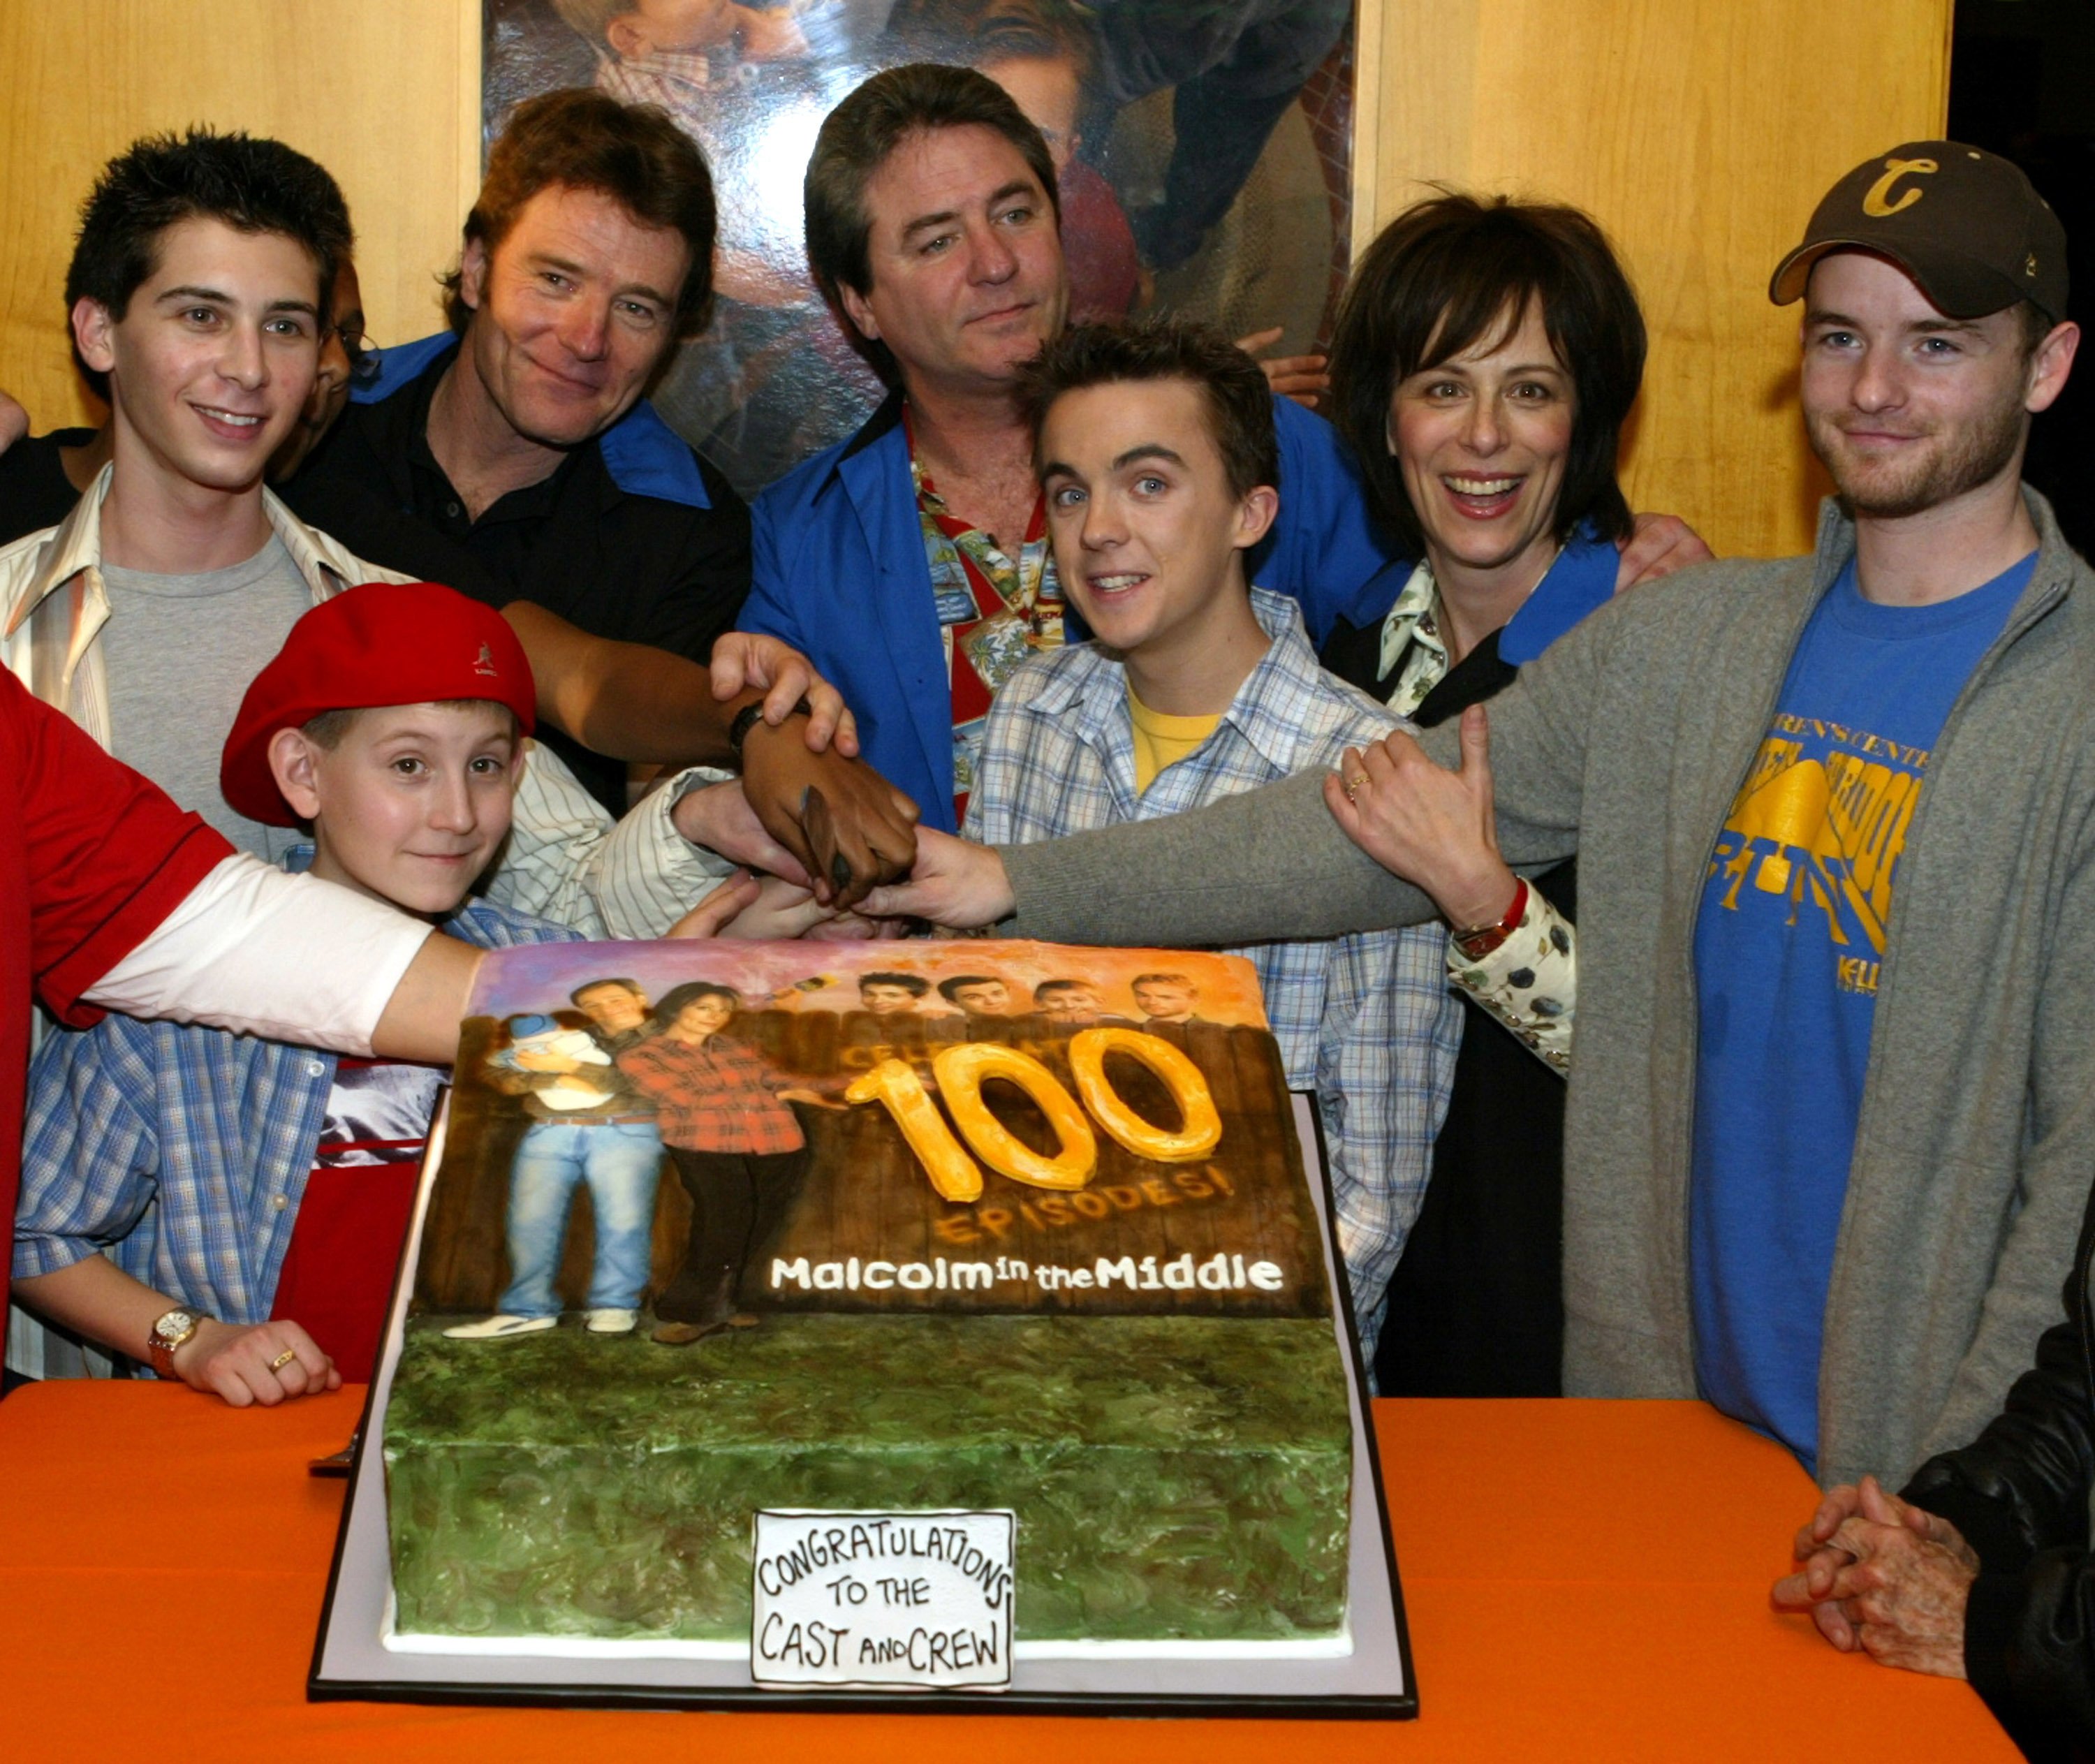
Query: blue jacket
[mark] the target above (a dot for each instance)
(839, 572)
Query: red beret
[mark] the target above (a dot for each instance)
(384, 644)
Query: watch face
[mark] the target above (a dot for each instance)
(175, 1323)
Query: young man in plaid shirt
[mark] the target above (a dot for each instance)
(1155, 445)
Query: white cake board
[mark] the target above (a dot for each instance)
(356, 1657)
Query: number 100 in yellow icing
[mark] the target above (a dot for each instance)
(960, 1071)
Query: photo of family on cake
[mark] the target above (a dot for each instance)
(1019, 599)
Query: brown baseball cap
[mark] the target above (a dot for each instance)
(1966, 226)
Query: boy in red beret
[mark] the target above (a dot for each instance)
(251, 1195)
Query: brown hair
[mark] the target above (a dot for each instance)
(856, 140)
(670, 1006)
(1046, 987)
(915, 984)
(975, 33)
(1239, 403)
(252, 185)
(1454, 271)
(620, 981)
(632, 153)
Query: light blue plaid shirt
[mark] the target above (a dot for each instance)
(1368, 1021)
(184, 1152)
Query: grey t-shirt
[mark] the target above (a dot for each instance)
(180, 651)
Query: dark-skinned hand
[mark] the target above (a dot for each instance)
(847, 826)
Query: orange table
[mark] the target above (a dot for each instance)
(1584, 1580)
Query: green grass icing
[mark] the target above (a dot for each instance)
(1174, 1477)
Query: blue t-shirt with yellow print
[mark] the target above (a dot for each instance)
(1787, 943)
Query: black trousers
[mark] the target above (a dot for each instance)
(1476, 1305)
(738, 1199)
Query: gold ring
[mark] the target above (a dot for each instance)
(283, 1359)
(1354, 784)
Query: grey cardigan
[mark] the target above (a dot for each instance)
(1627, 742)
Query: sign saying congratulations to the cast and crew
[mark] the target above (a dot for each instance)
(888, 1600)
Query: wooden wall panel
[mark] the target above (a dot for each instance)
(384, 93)
(1700, 132)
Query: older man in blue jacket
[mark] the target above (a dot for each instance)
(910, 563)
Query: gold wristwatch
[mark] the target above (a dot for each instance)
(173, 1329)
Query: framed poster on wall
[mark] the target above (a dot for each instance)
(1203, 149)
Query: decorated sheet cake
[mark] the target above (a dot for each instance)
(903, 1227)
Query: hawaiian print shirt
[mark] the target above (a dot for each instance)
(994, 610)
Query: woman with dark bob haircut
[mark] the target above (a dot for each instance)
(1485, 356)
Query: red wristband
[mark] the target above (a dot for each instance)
(1481, 940)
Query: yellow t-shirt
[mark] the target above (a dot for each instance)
(1160, 741)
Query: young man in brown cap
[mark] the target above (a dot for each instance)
(1824, 1160)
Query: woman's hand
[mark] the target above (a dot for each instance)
(1657, 546)
(1432, 827)
(748, 661)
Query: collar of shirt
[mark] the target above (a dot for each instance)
(638, 456)
(1580, 581)
(74, 545)
(1265, 716)
(472, 921)
(660, 76)
(429, 490)
(1411, 635)
(430, 493)
(1021, 582)
(47, 638)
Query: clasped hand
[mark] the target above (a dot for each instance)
(249, 1363)
(845, 827)
(1880, 1574)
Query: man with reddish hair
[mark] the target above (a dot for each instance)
(521, 434)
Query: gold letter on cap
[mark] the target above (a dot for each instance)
(1874, 205)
